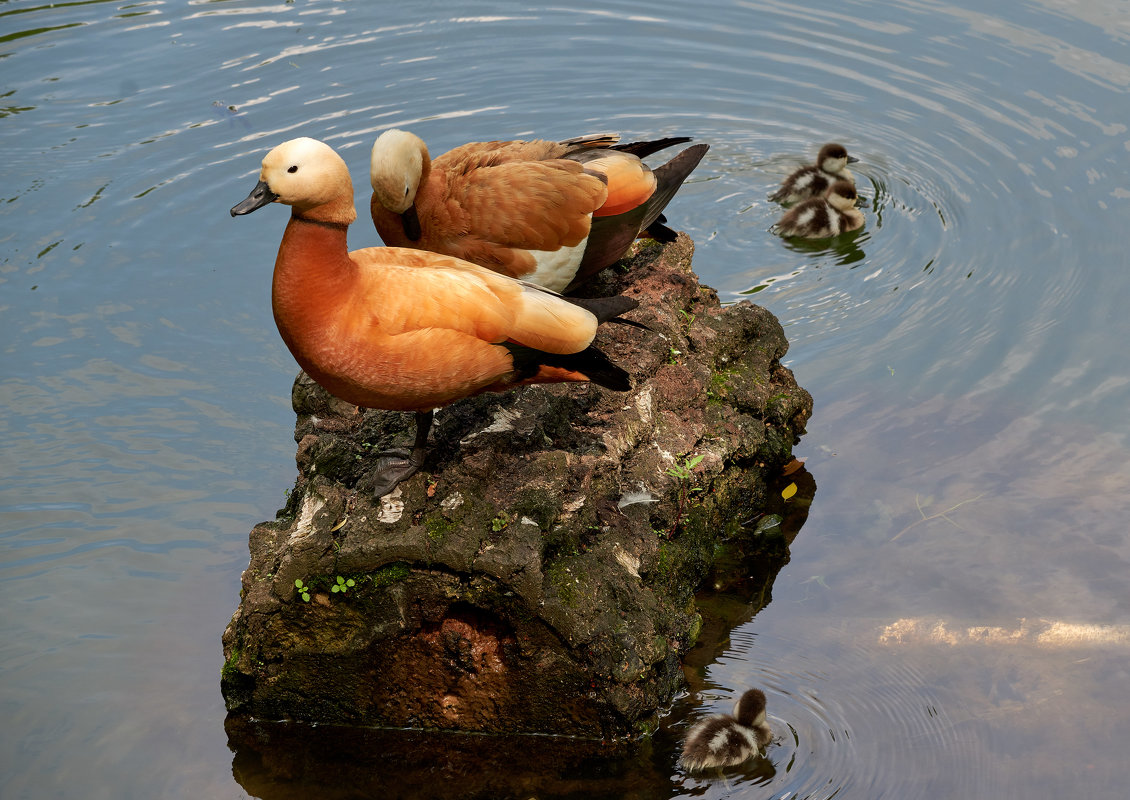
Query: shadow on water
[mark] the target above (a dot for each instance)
(740, 581)
(278, 760)
(844, 250)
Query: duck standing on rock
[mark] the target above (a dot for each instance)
(552, 213)
(823, 217)
(721, 740)
(408, 330)
(815, 179)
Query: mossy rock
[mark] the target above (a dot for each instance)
(538, 575)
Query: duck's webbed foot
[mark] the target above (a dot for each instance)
(394, 466)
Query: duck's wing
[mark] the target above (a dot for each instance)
(630, 181)
(613, 233)
(587, 140)
(405, 290)
(475, 155)
(529, 205)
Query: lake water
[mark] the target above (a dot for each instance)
(955, 617)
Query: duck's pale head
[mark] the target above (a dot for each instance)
(396, 166)
(309, 176)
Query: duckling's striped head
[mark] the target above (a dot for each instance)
(834, 158)
(842, 195)
(750, 708)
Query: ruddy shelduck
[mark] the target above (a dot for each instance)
(409, 330)
(721, 740)
(815, 179)
(552, 213)
(823, 217)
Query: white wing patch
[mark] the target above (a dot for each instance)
(717, 743)
(556, 268)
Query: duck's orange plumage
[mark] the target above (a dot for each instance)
(549, 212)
(404, 329)
(631, 182)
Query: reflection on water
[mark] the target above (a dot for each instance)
(275, 761)
(964, 350)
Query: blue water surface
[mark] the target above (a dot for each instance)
(955, 618)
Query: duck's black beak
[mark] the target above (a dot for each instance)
(853, 160)
(411, 223)
(260, 196)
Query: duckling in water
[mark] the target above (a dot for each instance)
(823, 217)
(723, 741)
(815, 179)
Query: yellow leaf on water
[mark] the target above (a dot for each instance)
(788, 491)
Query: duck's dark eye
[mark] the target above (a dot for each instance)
(293, 169)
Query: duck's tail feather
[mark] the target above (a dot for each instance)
(536, 366)
(659, 231)
(590, 140)
(605, 308)
(609, 309)
(645, 149)
(632, 323)
(668, 179)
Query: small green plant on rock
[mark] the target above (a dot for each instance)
(343, 585)
(683, 474)
(303, 590)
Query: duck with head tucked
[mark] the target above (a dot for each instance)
(823, 217)
(721, 740)
(815, 179)
(402, 329)
(552, 213)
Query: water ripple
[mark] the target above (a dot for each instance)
(844, 725)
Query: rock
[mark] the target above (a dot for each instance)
(539, 574)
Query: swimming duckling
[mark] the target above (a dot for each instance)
(815, 179)
(723, 741)
(408, 330)
(823, 217)
(551, 213)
